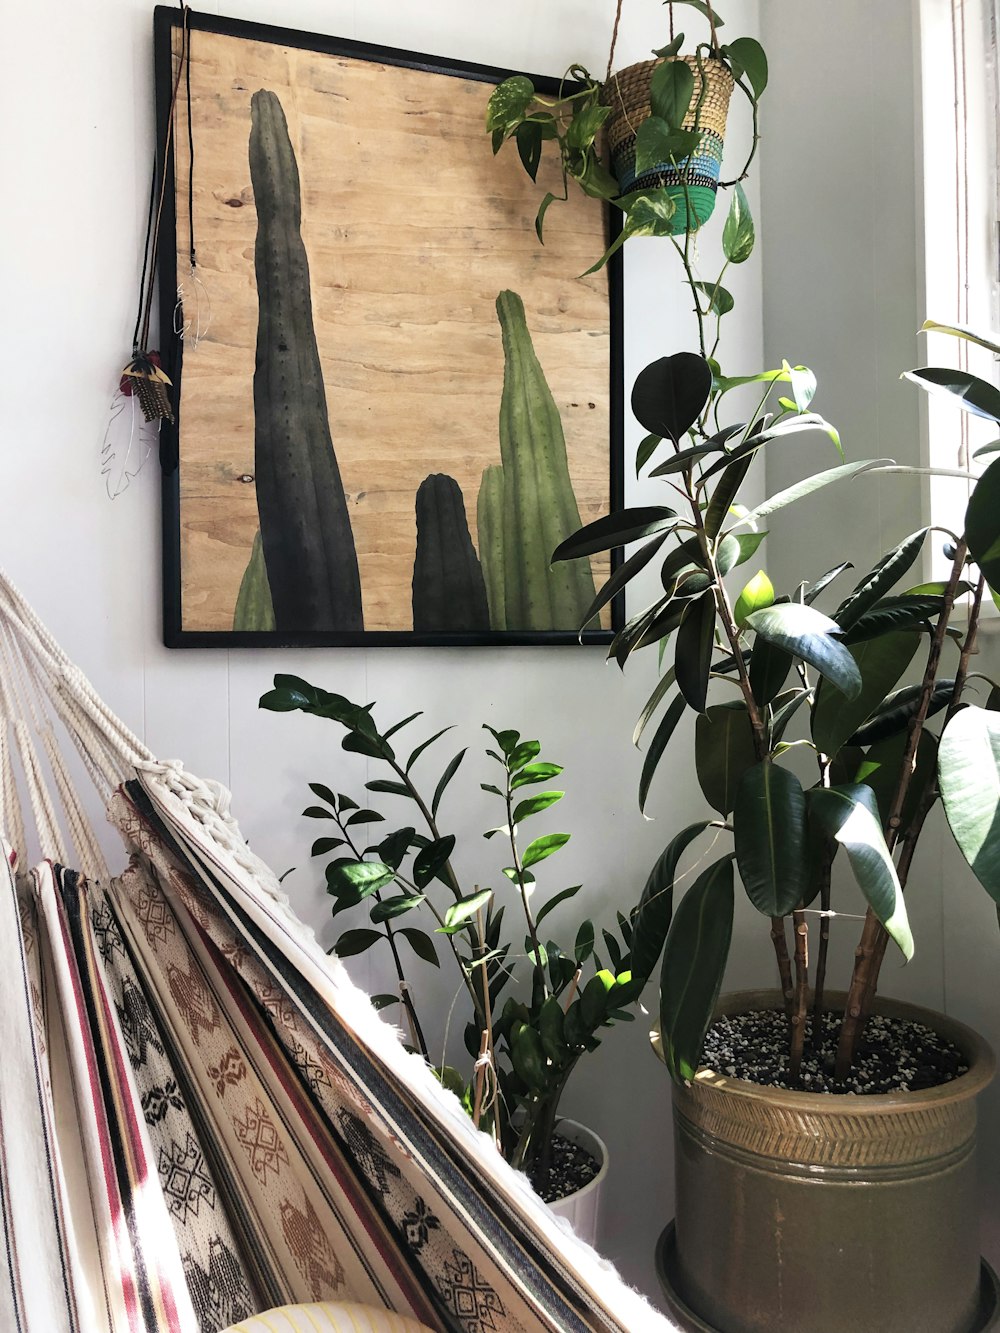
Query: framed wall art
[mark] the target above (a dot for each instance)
(391, 403)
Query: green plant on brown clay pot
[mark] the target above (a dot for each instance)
(826, 729)
(535, 1007)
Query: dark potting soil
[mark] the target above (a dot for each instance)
(571, 1168)
(894, 1055)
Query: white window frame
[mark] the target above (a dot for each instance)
(958, 107)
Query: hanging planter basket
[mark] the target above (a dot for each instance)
(693, 181)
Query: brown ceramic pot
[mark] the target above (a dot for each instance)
(808, 1213)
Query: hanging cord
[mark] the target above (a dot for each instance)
(147, 284)
(614, 37)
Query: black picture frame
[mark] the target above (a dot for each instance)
(166, 21)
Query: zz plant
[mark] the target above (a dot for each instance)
(535, 1007)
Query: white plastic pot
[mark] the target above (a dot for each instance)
(582, 1208)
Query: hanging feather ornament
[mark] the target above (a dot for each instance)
(145, 377)
(142, 401)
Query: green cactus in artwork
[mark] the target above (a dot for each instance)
(254, 611)
(305, 527)
(448, 590)
(489, 521)
(539, 505)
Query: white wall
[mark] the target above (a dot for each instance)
(75, 103)
(842, 191)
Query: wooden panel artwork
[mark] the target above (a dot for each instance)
(409, 231)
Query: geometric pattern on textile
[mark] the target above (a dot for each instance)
(218, 1290)
(229, 1071)
(193, 998)
(158, 1101)
(418, 1224)
(363, 1146)
(261, 1140)
(184, 1179)
(311, 1247)
(470, 1298)
(137, 1024)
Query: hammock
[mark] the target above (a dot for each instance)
(201, 1117)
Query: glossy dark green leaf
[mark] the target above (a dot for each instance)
(648, 446)
(535, 804)
(769, 668)
(783, 708)
(584, 945)
(627, 525)
(720, 301)
(393, 907)
(670, 92)
(810, 485)
(623, 575)
(430, 861)
(594, 1000)
(725, 493)
(694, 962)
(531, 773)
(895, 613)
(465, 909)
(356, 941)
(663, 685)
(364, 877)
(746, 56)
(693, 655)
(357, 742)
(982, 524)
(363, 817)
(749, 544)
(543, 208)
(769, 819)
(323, 845)
(528, 137)
(738, 231)
(807, 633)
(889, 570)
(723, 751)
(324, 793)
(656, 905)
(398, 726)
(389, 787)
(671, 393)
(415, 755)
(380, 1002)
(814, 589)
(727, 555)
(550, 1031)
(849, 815)
(895, 714)
(881, 767)
(704, 9)
(969, 776)
(968, 392)
(393, 848)
(880, 662)
(543, 847)
(657, 143)
(679, 461)
(657, 746)
(421, 944)
(446, 777)
(528, 1058)
(554, 902)
(317, 812)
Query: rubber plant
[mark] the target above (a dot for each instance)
(755, 665)
(522, 1046)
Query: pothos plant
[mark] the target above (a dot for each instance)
(535, 1007)
(754, 665)
(669, 132)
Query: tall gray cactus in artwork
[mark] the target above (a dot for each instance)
(305, 527)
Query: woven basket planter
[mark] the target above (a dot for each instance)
(693, 182)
